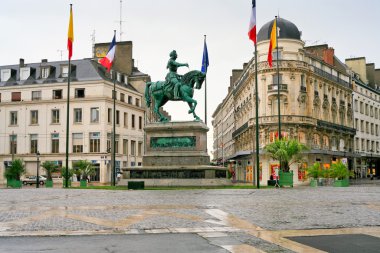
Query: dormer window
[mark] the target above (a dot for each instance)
(45, 72)
(24, 73)
(65, 71)
(5, 75)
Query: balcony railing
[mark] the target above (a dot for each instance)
(303, 89)
(274, 87)
(331, 77)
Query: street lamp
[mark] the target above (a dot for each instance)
(38, 170)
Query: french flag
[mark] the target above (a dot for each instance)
(107, 61)
(252, 23)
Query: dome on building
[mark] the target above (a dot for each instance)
(288, 30)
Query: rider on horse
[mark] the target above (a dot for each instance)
(172, 78)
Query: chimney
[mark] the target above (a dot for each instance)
(328, 55)
(44, 61)
(22, 62)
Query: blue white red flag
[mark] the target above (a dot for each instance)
(252, 23)
(108, 60)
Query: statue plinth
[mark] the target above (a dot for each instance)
(182, 144)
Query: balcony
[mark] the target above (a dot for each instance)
(286, 119)
(274, 87)
(303, 88)
(331, 77)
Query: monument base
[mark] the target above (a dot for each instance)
(176, 155)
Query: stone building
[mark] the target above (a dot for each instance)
(366, 96)
(315, 100)
(33, 108)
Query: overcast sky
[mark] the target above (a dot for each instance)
(37, 29)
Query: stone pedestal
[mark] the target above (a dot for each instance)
(176, 144)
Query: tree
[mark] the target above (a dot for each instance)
(85, 168)
(286, 151)
(15, 170)
(49, 167)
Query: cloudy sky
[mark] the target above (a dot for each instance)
(37, 29)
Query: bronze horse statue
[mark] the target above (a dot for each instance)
(163, 92)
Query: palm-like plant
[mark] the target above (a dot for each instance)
(314, 171)
(15, 170)
(85, 167)
(287, 151)
(340, 171)
(49, 167)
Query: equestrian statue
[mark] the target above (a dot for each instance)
(174, 88)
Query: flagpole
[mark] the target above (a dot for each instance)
(278, 88)
(257, 123)
(206, 96)
(68, 115)
(113, 172)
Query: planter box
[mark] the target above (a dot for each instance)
(136, 185)
(83, 183)
(313, 182)
(341, 183)
(49, 183)
(14, 183)
(286, 179)
(64, 183)
(271, 182)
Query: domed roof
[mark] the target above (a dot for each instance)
(288, 30)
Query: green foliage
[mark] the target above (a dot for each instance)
(85, 168)
(340, 171)
(287, 151)
(49, 167)
(314, 171)
(69, 172)
(15, 170)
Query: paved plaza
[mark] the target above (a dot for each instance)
(299, 219)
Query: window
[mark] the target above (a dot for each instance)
(367, 127)
(13, 119)
(57, 94)
(34, 117)
(274, 54)
(122, 97)
(377, 130)
(133, 147)
(65, 71)
(79, 93)
(109, 115)
(95, 115)
(356, 124)
(33, 143)
(117, 117)
(366, 109)
(125, 146)
(140, 122)
(16, 96)
(357, 144)
(77, 115)
(55, 143)
(77, 142)
(13, 144)
(356, 105)
(94, 142)
(129, 99)
(316, 140)
(362, 126)
(36, 95)
(55, 116)
(361, 107)
(125, 119)
(24, 73)
(363, 145)
(133, 121)
(0, 97)
(109, 142)
(140, 148)
(137, 102)
(372, 129)
(275, 79)
(45, 72)
(5, 74)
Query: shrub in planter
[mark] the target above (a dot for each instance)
(314, 172)
(341, 174)
(86, 169)
(14, 173)
(49, 167)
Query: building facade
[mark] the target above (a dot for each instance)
(33, 105)
(366, 96)
(315, 105)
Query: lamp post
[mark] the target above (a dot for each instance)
(38, 169)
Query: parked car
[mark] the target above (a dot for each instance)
(33, 180)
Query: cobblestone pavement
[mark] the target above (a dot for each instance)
(236, 220)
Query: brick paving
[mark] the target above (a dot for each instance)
(254, 218)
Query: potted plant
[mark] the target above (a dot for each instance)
(86, 169)
(341, 174)
(287, 152)
(313, 172)
(66, 174)
(49, 167)
(14, 172)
